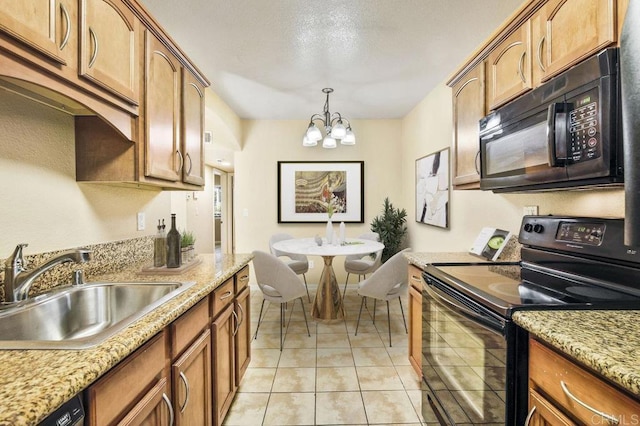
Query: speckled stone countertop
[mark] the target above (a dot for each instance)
(34, 383)
(605, 341)
(422, 259)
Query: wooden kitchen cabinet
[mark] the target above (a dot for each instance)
(468, 108)
(242, 337)
(560, 390)
(46, 26)
(416, 284)
(109, 47)
(192, 129)
(508, 67)
(135, 392)
(224, 384)
(567, 32)
(163, 159)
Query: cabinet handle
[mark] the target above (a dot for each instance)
(96, 46)
(527, 421)
(521, 66)
(181, 160)
(608, 417)
(476, 162)
(237, 323)
(186, 387)
(244, 277)
(190, 163)
(415, 277)
(242, 317)
(168, 402)
(67, 31)
(540, 64)
(226, 295)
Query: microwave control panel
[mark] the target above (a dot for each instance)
(584, 129)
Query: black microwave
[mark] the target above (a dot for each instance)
(565, 134)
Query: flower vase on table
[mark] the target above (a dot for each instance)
(329, 233)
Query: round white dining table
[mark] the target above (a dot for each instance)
(327, 305)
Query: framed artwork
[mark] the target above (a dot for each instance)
(432, 189)
(307, 189)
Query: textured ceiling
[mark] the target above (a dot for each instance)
(270, 59)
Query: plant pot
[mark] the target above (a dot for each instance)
(187, 253)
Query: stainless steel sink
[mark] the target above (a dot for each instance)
(81, 316)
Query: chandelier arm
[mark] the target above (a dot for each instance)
(336, 117)
(318, 117)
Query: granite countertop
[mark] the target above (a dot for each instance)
(605, 341)
(34, 383)
(422, 259)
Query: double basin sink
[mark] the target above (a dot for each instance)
(81, 316)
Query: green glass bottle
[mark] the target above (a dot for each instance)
(173, 245)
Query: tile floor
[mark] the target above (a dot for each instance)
(332, 377)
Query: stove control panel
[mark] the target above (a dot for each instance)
(600, 237)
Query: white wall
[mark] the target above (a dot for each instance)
(267, 142)
(428, 128)
(40, 201)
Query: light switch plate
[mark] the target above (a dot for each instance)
(530, 210)
(141, 221)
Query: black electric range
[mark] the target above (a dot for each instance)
(474, 356)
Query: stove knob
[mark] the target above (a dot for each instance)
(538, 229)
(528, 227)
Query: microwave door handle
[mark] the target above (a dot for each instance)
(554, 138)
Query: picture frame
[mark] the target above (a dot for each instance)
(305, 188)
(432, 189)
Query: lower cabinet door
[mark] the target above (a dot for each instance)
(191, 378)
(243, 334)
(415, 329)
(544, 413)
(153, 409)
(224, 384)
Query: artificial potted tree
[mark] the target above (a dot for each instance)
(187, 242)
(391, 227)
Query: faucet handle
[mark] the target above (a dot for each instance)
(17, 259)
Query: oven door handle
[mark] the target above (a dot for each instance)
(450, 302)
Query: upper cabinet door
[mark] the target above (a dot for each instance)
(44, 25)
(162, 112)
(569, 31)
(108, 47)
(192, 129)
(509, 67)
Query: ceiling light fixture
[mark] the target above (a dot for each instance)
(333, 126)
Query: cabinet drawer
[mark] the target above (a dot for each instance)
(548, 371)
(188, 327)
(415, 277)
(221, 297)
(118, 391)
(242, 279)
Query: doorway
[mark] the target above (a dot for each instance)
(223, 212)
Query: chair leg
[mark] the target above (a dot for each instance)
(360, 313)
(389, 322)
(306, 286)
(255, 336)
(281, 324)
(305, 317)
(403, 320)
(345, 286)
(374, 311)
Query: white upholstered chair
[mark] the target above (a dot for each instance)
(279, 284)
(388, 282)
(297, 262)
(362, 264)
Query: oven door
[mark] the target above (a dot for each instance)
(468, 377)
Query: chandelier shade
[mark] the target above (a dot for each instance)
(334, 128)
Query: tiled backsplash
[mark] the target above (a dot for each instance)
(105, 258)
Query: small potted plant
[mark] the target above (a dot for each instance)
(187, 242)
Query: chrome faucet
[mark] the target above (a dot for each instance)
(18, 281)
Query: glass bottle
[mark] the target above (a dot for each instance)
(160, 247)
(173, 245)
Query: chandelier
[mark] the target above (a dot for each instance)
(334, 128)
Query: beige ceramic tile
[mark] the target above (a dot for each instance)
(266, 341)
(290, 409)
(399, 356)
(409, 377)
(298, 358)
(257, 380)
(247, 409)
(379, 378)
(299, 341)
(264, 358)
(330, 340)
(390, 407)
(371, 357)
(336, 327)
(335, 357)
(331, 379)
(295, 380)
(366, 340)
(339, 408)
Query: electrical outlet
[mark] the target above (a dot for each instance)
(530, 210)
(311, 264)
(141, 221)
